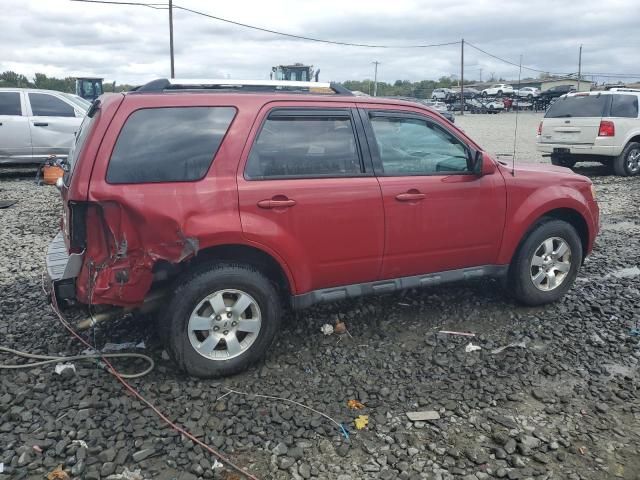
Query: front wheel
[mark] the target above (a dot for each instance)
(546, 263)
(221, 319)
(628, 162)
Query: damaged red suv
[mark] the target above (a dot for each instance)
(227, 201)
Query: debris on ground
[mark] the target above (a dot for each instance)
(355, 405)
(361, 421)
(57, 474)
(116, 347)
(7, 203)
(327, 329)
(464, 334)
(61, 367)
(340, 328)
(472, 348)
(511, 345)
(423, 416)
(127, 475)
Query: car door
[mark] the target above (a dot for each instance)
(53, 122)
(15, 138)
(439, 215)
(309, 196)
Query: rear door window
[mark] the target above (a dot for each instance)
(579, 106)
(45, 105)
(302, 145)
(10, 103)
(624, 106)
(175, 144)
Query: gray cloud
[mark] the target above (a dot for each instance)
(130, 44)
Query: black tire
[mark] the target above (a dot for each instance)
(622, 164)
(484, 94)
(197, 285)
(520, 282)
(560, 161)
(529, 97)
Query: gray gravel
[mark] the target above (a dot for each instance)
(566, 406)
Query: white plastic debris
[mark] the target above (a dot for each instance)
(327, 329)
(423, 416)
(451, 332)
(1, 467)
(217, 465)
(511, 345)
(61, 367)
(471, 348)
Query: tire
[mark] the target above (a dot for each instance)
(566, 162)
(524, 278)
(261, 318)
(529, 97)
(484, 94)
(499, 93)
(627, 164)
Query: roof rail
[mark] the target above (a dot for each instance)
(164, 85)
(624, 89)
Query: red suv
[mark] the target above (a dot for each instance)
(229, 201)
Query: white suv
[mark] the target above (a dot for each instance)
(441, 94)
(498, 89)
(35, 124)
(594, 127)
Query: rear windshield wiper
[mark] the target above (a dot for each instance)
(564, 115)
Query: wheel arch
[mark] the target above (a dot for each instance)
(265, 262)
(569, 215)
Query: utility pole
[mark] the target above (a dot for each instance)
(173, 73)
(579, 67)
(481, 75)
(462, 77)
(375, 78)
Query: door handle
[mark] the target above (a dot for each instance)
(40, 124)
(285, 203)
(410, 197)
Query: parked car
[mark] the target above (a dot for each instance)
(483, 105)
(441, 108)
(441, 94)
(469, 92)
(557, 91)
(35, 124)
(594, 126)
(527, 92)
(230, 205)
(498, 89)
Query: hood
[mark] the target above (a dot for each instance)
(542, 171)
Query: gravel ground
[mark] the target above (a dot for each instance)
(563, 403)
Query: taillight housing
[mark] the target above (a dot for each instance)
(607, 129)
(540, 129)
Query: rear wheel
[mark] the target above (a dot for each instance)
(221, 319)
(546, 263)
(628, 162)
(563, 161)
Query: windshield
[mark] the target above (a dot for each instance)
(578, 106)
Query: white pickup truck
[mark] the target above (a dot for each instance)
(594, 127)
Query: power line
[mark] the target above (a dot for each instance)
(156, 6)
(511, 63)
(311, 39)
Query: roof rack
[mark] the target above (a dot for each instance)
(168, 85)
(624, 89)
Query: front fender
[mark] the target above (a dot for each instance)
(523, 213)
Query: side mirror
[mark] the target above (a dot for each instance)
(475, 162)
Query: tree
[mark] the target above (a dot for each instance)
(13, 79)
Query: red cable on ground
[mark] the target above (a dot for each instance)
(177, 428)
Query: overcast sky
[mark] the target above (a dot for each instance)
(130, 44)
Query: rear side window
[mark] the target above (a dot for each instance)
(44, 105)
(578, 106)
(624, 106)
(304, 146)
(175, 144)
(10, 103)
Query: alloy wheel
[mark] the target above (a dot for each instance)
(224, 324)
(550, 264)
(633, 161)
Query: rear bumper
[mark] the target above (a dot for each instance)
(62, 268)
(602, 150)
